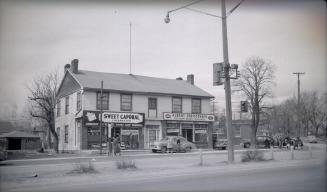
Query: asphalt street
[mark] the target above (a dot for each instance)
(293, 178)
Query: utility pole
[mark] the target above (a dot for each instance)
(230, 134)
(101, 96)
(298, 99)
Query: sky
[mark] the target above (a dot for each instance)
(39, 37)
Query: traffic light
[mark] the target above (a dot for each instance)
(244, 106)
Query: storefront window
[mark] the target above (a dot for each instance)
(173, 129)
(177, 105)
(196, 105)
(105, 101)
(201, 133)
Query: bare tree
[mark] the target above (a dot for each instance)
(256, 80)
(43, 101)
(318, 115)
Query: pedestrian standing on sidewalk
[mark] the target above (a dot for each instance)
(109, 146)
(178, 145)
(114, 145)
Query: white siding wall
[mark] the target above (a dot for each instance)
(68, 119)
(140, 103)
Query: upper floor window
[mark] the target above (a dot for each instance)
(78, 101)
(67, 105)
(177, 105)
(153, 103)
(126, 102)
(105, 101)
(196, 105)
(66, 133)
(58, 108)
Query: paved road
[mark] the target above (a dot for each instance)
(291, 178)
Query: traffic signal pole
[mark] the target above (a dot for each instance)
(230, 134)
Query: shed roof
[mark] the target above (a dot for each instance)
(137, 83)
(18, 134)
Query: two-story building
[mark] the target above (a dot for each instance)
(138, 109)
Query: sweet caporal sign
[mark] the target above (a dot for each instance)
(112, 117)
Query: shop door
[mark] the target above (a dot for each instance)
(188, 134)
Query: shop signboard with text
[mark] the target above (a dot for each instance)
(92, 118)
(188, 117)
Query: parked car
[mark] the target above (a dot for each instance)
(261, 141)
(221, 144)
(312, 139)
(264, 141)
(246, 143)
(161, 146)
(297, 143)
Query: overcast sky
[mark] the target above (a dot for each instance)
(38, 37)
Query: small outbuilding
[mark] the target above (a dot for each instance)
(19, 140)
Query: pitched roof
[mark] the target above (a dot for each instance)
(137, 83)
(18, 134)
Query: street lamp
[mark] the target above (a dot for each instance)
(226, 68)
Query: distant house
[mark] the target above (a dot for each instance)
(138, 109)
(19, 140)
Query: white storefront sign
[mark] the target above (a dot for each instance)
(129, 132)
(172, 130)
(200, 131)
(112, 117)
(188, 117)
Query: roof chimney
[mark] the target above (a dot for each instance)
(179, 78)
(67, 66)
(190, 79)
(74, 66)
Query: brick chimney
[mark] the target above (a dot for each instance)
(190, 79)
(74, 66)
(67, 66)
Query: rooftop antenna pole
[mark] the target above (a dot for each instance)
(130, 48)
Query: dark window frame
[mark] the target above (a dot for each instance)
(66, 134)
(58, 107)
(181, 105)
(98, 101)
(193, 107)
(67, 104)
(151, 106)
(78, 101)
(130, 103)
